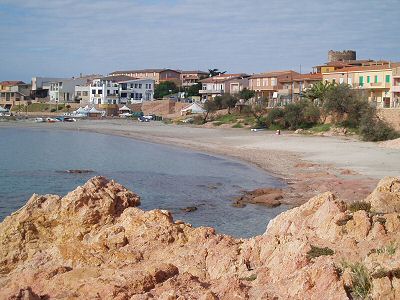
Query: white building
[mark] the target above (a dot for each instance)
(64, 90)
(82, 94)
(121, 90)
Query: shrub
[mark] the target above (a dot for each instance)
(321, 128)
(250, 278)
(53, 110)
(361, 280)
(373, 129)
(359, 205)
(237, 125)
(317, 251)
(275, 117)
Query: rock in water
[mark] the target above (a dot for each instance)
(94, 243)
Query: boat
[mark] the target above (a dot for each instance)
(39, 120)
(52, 120)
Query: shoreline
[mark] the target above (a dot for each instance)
(304, 177)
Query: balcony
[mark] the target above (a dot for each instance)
(382, 85)
(211, 91)
(396, 89)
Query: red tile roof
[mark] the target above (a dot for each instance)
(10, 82)
(366, 68)
(273, 74)
(222, 78)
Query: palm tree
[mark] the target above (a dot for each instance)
(317, 92)
(214, 72)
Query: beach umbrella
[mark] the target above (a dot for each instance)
(125, 108)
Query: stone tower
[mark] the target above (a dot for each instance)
(341, 55)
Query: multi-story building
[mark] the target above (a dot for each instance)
(375, 80)
(63, 91)
(269, 85)
(82, 94)
(189, 78)
(396, 87)
(14, 93)
(121, 89)
(294, 86)
(223, 83)
(41, 87)
(158, 75)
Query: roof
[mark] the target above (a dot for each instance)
(366, 68)
(193, 72)
(309, 77)
(11, 82)
(223, 78)
(118, 78)
(273, 74)
(142, 71)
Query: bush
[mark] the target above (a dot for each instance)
(53, 110)
(317, 251)
(237, 125)
(361, 280)
(359, 205)
(373, 129)
(302, 114)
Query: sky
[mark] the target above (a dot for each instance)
(63, 38)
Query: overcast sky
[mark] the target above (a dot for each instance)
(67, 37)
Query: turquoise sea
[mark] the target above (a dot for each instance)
(166, 177)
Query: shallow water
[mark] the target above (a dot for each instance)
(165, 177)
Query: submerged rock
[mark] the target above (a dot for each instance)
(94, 243)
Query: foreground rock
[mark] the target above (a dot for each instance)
(95, 244)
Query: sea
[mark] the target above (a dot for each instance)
(165, 177)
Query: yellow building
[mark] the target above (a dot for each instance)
(376, 81)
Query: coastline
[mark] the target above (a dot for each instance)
(305, 175)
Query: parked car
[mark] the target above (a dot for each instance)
(143, 119)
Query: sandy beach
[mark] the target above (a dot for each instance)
(308, 164)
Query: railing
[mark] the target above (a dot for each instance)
(396, 88)
(211, 91)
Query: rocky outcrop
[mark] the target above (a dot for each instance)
(94, 243)
(269, 197)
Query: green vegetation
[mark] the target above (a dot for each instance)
(225, 119)
(317, 251)
(193, 90)
(321, 128)
(246, 94)
(362, 282)
(250, 278)
(237, 125)
(359, 205)
(165, 88)
(388, 249)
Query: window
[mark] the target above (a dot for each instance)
(135, 85)
(333, 81)
(84, 93)
(265, 81)
(350, 81)
(341, 80)
(258, 81)
(376, 78)
(78, 93)
(140, 85)
(361, 80)
(140, 95)
(100, 92)
(124, 86)
(368, 79)
(124, 95)
(131, 85)
(387, 79)
(273, 81)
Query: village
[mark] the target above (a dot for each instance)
(178, 96)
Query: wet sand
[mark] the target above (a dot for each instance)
(308, 164)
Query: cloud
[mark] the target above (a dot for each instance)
(66, 37)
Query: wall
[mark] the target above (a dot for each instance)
(341, 55)
(392, 116)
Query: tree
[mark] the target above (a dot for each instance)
(229, 101)
(214, 72)
(246, 94)
(193, 90)
(165, 88)
(318, 92)
(258, 109)
(218, 102)
(210, 107)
